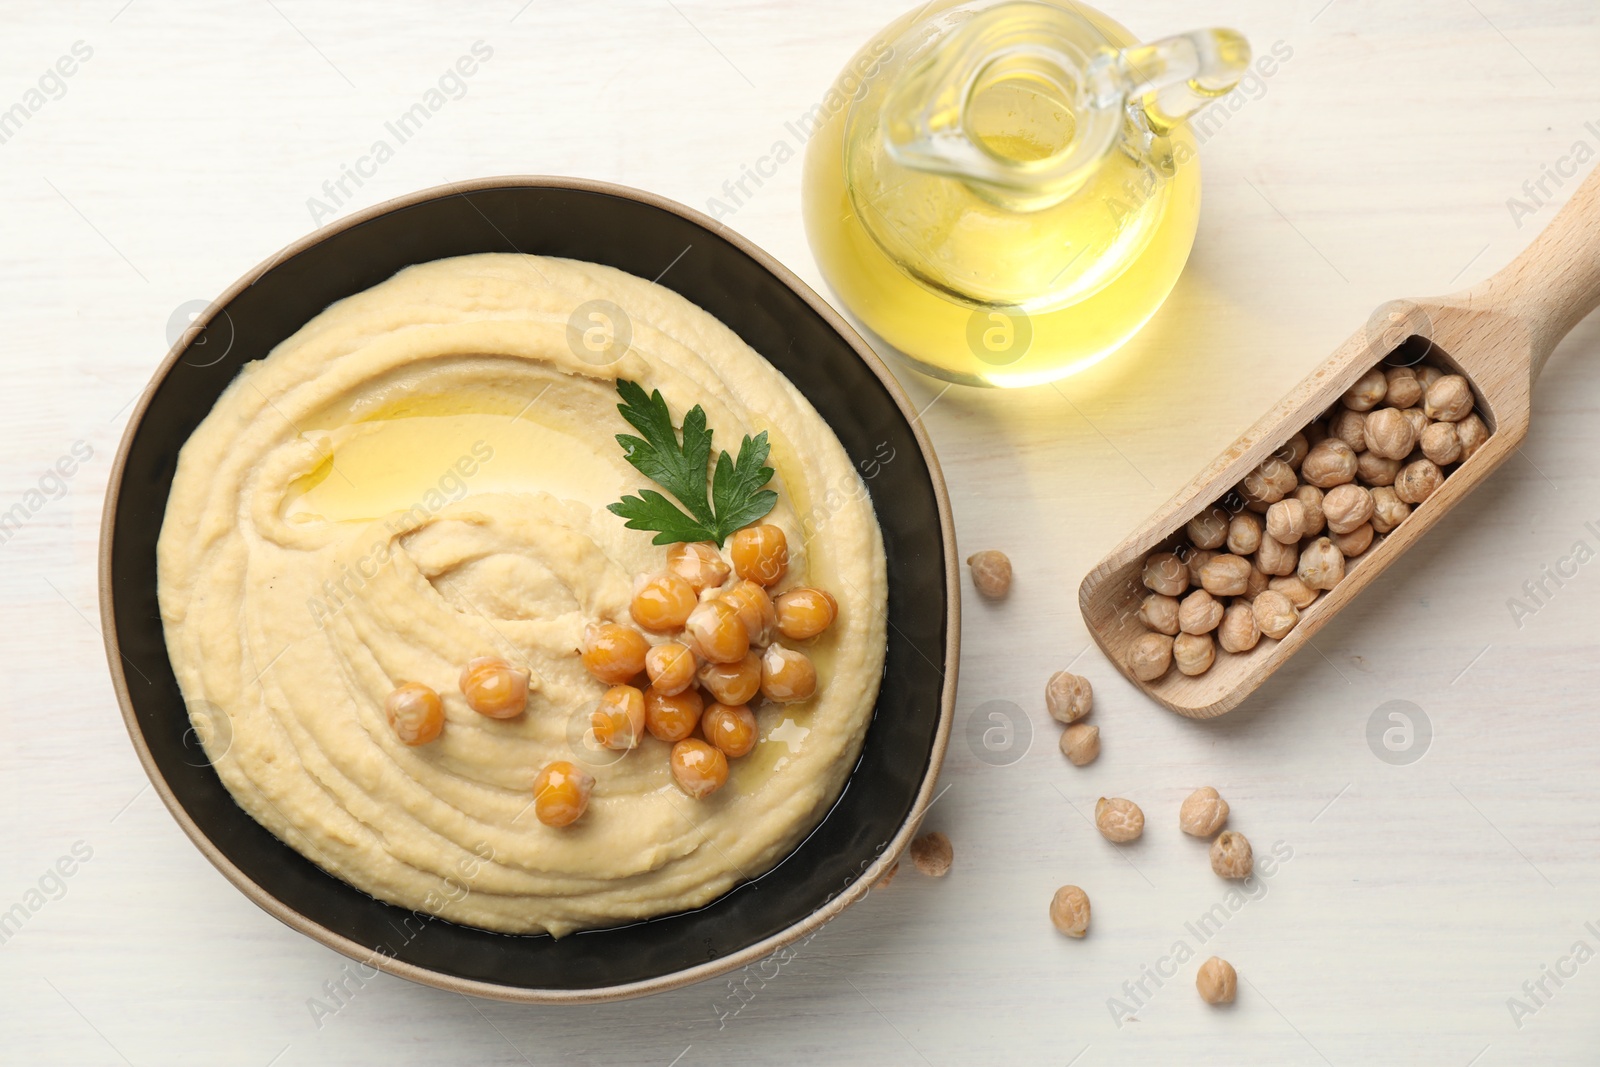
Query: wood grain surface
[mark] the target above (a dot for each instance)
(1425, 894)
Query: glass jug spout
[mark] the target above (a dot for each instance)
(1024, 101)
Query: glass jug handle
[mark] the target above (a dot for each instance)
(1177, 76)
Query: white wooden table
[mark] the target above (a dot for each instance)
(1377, 162)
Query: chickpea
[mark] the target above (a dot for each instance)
(1286, 521)
(1473, 434)
(1217, 981)
(415, 713)
(1199, 613)
(1159, 613)
(760, 554)
(1275, 614)
(1196, 561)
(1257, 582)
(1441, 442)
(1449, 399)
(1231, 856)
(1226, 576)
(1238, 632)
(618, 720)
(1209, 529)
(1404, 390)
(698, 563)
(1277, 558)
(1193, 653)
(1375, 469)
(991, 573)
(1203, 813)
(716, 632)
(1150, 656)
(1321, 564)
(672, 718)
(1165, 573)
(733, 683)
(787, 675)
(1329, 463)
(1294, 451)
(1300, 594)
(561, 794)
(1269, 482)
(1244, 534)
(1350, 427)
(1418, 419)
(1388, 510)
(662, 602)
(731, 728)
(699, 769)
(614, 653)
(670, 667)
(1347, 506)
(1389, 434)
(756, 610)
(1368, 392)
(1068, 697)
(805, 613)
(932, 854)
(1080, 743)
(1417, 481)
(495, 688)
(1426, 376)
(1311, 497)
(1118, 820)
(1069, 911)
(1353, 542)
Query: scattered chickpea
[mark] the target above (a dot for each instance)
(1441, 442)
(1449, 399)
(1069, 911)
(729, 727)
(662, 602)
(1203, 812)
(760, 553)
(888, 876)
(699, 769)
(1275, 614)
(1311, 497)
(671, 718)
(1277, 558)
(1286, 521)
(1346, 507)
(1244, 534)
(495, 688)
(1217, 981)
(1300, 594)
(1417, 481)
(787, 675)
(1199, 613)
(1352, 543)
(1238, 632)
(1193, 653)
(715, 631)
(670, 667)
(1329, 463)
(1209, 529)
(699, 563)
(415, 713)
(991, 573)
(1080, 743)
(1473, 434)
(1227, 575)
(1068, 697)
(733, 683)
(1165, 573)
(1231, 856)
(1321, 564)
(1368, 392)
(1388, 510)
(805, 613)
(1350, 427)
(1118, 820)
(1404, 390)
(1159, 613)
(614, 653)
(1150, 656)
(932, 854)
(1375, 469)
(1389, 434)
(561, 794)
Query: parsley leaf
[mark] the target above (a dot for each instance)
(737, 497)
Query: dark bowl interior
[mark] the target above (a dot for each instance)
(715, 273)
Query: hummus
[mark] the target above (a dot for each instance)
(419, 476)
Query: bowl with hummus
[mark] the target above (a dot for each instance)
(529, 587)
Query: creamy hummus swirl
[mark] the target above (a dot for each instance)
(290, 617)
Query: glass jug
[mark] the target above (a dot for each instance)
(1005, 191)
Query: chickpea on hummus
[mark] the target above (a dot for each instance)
(388, 562)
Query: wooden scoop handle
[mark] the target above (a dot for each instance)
(1555, 282)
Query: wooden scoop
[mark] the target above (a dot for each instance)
(1497, 334)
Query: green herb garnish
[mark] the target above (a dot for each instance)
(736, 498)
